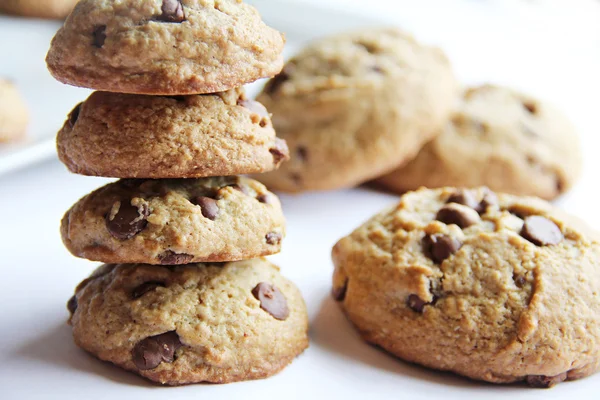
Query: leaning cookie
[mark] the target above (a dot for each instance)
(13, 113)
(357, 105)
(500, 138)
(175, 221)
(494, 287)
(164, 46)
(217, 134)
(51, 9)
(214, 323)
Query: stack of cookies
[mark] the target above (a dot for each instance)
(184, 296)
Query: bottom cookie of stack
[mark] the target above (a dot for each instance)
(206, 322)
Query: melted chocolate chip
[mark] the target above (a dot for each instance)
(302, 153)
(128, 222)
(464, 197)
(74, 115)
(279, 151)
(541, 231)
(72, 304)
(171, 258)
(240, 188)
(145, 288)
(416, 303)
(458, 215)
(264, 198)
(490, 199)
(273, 238)
(438, 247)
(172, 11)
(150, 352)
(544, 382)
(208, 207)
(271, 300)
(339, 293)
(99, 36)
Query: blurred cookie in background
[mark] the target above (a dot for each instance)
(499, 138)
(13, 112)
(50, 9)
(356, 105)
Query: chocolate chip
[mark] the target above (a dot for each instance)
(416, 303)
(279, 151)
(544, 382)
(150, 352)
(458, 215)
(490, 199)
(240, 188)
(464, 197)
(274, 238)
(339, 293)
(530, 107)
(145, 288)
(438, 247)
(519, 280)
(171, 258)
(128, 222)
(271, 300)
(301, 153)
(541, 231)
(72, 304)
(264, 198)
(208, 207)
(74, 115)
(172, 11)
(99, 36)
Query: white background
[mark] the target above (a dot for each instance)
(549, 48)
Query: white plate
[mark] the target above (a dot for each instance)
(38, 359)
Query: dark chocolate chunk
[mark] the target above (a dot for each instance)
(271, 300)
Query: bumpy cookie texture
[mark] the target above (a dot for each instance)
(195, 323)
(13, 113)
(51, 9)
(164, 46)
(505, 140)
(494, 287)
(354, 106)
(175, 221)
(136, 136)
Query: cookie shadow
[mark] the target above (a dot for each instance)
(332, 331)
(55, 348)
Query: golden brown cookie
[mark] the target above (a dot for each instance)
(51, 9)
(195, 323)
(494, 287)
(170, 47)
(500, 138)
(175, 221)
(356, 105)
(136, 136)
(13, 113)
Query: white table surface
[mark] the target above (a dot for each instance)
(553, 52)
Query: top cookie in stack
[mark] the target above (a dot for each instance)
(192, 57)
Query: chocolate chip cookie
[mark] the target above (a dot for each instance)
(494, 287)
(13, 112)
(164, 46)
(176, 221)
(51, 9)
(500, 138)
(136, 136)
(354, 106)
(216, 322)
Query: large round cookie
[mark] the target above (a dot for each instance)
(354, 106)
(175, 221)
(500, 138)
(13, 113)
(195, 323)
(136, 136)
(501, 289)
(164, 46)
(52, 9)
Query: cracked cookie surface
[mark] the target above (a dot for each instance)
(500, 138)
(217, 322)
(175, 221)
(354, 106)
(14, 115)
(219, 134)
(494, 287)
(164, 46)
